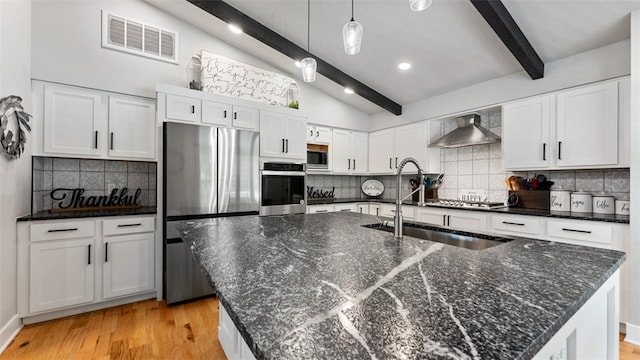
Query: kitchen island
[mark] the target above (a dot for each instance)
(321, 286)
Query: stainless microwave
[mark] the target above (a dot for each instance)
(317, 156)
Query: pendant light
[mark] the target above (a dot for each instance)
(352, 35)
(308, 65)
(419, 5)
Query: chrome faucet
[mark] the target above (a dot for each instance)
(397, 219)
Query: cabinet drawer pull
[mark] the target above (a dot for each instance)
(225, 114)
(89, 254)
(444, 220)
(235, 115)
(193, 109)
(354, 164)
(345, 210)
(319, 211)
(396, 163)
(389, 163)
(311, 133)
(111, 141)
(283, 145)
(287, 143)
(559, 150)
(349, 161)
(61, 230)
(578, 231)
(128, 225)
(96, 140)
(448, 220)
(544, 151)
(512, 223)
(106, 252)
(317, 133)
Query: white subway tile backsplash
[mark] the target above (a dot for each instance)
(495, 151)
(496, 182)
(480, 151)
(480, 167)
(465, 153)
(480, 182)
(450, 154)
(465, 182)
(465, 167)
(450, 168)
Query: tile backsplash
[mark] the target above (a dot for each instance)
(97, 177)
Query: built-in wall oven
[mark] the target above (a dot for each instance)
(283, 189)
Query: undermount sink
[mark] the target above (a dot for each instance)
(458, 238)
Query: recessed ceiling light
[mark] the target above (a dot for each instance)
(298, 64)
(235, 29)
(348, 90)
(404, 66)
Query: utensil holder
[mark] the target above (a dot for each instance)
(532, 199)
(429, 194)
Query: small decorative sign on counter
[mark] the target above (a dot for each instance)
(74, 200)
(313, 193)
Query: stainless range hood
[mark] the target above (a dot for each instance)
(468, 132)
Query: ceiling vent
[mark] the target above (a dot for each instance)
(136, 37)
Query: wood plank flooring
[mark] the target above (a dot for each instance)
(143, 330)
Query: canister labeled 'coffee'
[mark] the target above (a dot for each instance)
(603, 204)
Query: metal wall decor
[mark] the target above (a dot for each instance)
(11, 108)
(224, 76)
(72, 199)
(320, 194)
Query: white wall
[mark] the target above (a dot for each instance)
(66, 49)
(633, 258)
(15, 198)
(595, 65)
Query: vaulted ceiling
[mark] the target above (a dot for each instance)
(449, 45)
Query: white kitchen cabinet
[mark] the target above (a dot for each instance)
(389, 147)
(74, 122)
(374, 209)
(381, 156)
(71, 266)
(458, 219)
(389, 210)
(182, 108)
(128, 247)
(131, 127)
(363, 208)
(578, 128)
(61, 274)
(216, 113)
(587, 126)
(525, 133)
(318, 134)
(349, 152)
(519, 225)
(282, 136)
(233, 344)
(349, 207)
(249, 119)
(77, 122)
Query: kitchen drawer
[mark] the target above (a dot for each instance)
(127, 226)
(62, 230)
(389, 210)
(312, 209)
(516, 225)
(345, 207)
(579, 232)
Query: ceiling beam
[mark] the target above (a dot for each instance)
(251, 27)
(498, 17)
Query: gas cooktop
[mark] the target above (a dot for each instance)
(465, 204)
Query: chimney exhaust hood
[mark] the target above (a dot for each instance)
(469, 132)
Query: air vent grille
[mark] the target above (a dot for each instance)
(136, 37)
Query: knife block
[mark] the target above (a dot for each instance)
(429, 194)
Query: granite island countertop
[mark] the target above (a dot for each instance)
(321, 286)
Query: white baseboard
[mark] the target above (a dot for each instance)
(9, 331)
(633, 334)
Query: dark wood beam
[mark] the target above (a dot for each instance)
(251, 27)
(498, 17)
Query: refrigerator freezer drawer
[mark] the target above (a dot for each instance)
(185, 279)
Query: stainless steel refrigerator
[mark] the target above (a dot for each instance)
(208, 172)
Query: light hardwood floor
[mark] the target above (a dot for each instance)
(143, 330)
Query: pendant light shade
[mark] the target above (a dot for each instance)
(308, 66)
(352, 37)
(419, 5)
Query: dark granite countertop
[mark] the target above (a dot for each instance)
(620, 219)
(320, 286)
(46, 215)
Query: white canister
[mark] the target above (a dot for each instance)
(560, 200)
(603, 204)
(622, 207)
(581, 202)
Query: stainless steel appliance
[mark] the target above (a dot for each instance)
(450, 203)
(283, 189)
(208, 172)
(317, 157)
(468, 132)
